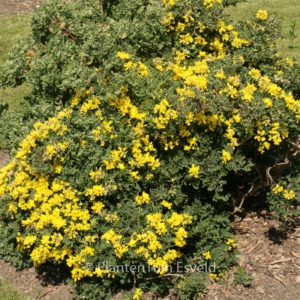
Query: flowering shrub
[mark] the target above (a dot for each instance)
(165, 114)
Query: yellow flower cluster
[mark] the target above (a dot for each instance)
(166, 204)
(165, 114)
(170, 2)
(155, 221)
(273, 135)
(231, 243)
(130, 65)
(207, 255)
(277, 189)
(194, 171)
(147, 243)
(115, 239)
(90, 104)
(209, 3)
(137, 295)
(141, 199)
(214, 277)
(262, 15)
(226, 156)
(287, 194)
(126, 107)
(123, 55)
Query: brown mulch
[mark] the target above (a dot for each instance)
(269, 253)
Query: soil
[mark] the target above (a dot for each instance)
(271, 254)
(14, 7)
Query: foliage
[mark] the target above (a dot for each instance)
(160, 118)
(282, 196)
(3, 107)
(286, 14)
(241, 277)
(13, 28)
(15, 125)
(292, 34)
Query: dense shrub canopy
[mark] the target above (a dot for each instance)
(165, 112)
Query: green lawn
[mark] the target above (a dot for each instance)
(12, 29)
(288, 11)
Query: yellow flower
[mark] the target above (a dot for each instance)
(262, 14)
(179, 219)
(220, 74)
(226, 156)
(289, 195)
(91, 104)
(144, 198)
(206, 255)
(50, 150)
(237, 117)
(214, 277)
(143, 70)
(149, 176)
(289, 61)
(255, 74)
(194, 171)
(135, 175)
(277, 189)
(121, 166)
(231, 243)
(155, 220)
(97, 207)
(180, 26)
(166, 204)
(186, 39)
(268, 102)
(181, 234)
(123, 55)
(138, 293)
(169, 2)
(159, 67)
(129, 65)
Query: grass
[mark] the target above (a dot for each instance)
(8, 292)
(288, 13)
(13, 29)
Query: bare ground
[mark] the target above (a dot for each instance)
(14, 7)
(271, 254)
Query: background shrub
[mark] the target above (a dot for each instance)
(156, 121)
